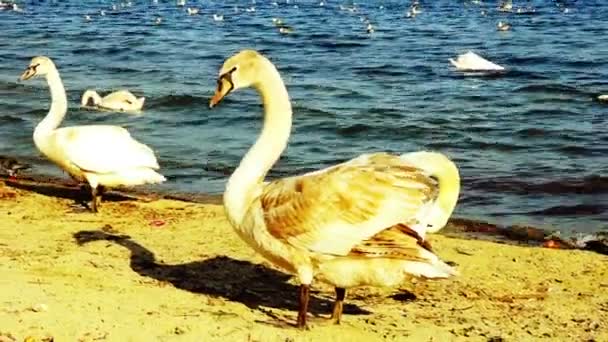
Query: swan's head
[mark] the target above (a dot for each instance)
(239, 71)
(39, 66)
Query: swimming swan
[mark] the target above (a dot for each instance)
(104, 156)
(471, 61)
(122, 100)
(357, 223)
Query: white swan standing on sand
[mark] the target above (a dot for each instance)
(358, 223)
(103, 156)
(122, 100)
(471, 61)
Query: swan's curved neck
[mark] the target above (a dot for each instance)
(59, 105)
(243, 185)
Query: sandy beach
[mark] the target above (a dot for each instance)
(169, 270)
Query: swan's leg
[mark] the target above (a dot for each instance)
(305, 275)
(96, 193)
(336, 315)
(304, 297)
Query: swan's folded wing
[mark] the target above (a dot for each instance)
(104, 149)
(395, 242)
(333, 210)
(120, 96)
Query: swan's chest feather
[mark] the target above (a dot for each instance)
(48, 145)
(252, 229)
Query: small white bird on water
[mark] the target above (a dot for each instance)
(192, 10)
(218, 17)
(503, 26)
(471, 61)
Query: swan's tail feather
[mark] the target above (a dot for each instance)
(128, 177)
(436, 269)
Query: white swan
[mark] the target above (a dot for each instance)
(358, 223)
(122, 100)
(603, 98)
(471, 61)
(104, 156)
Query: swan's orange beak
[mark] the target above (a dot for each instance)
(28, 73)
(224, 87)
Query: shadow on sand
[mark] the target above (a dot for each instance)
(240, 281)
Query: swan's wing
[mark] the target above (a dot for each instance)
(333, 210)
(398, 241)
(120, 96)
(103, 149)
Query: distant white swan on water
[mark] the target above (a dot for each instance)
(121, 100)
(471, 61)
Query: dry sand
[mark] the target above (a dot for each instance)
(169, 270)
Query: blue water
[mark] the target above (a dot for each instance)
(532, 144)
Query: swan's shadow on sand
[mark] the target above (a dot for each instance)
(254, 285)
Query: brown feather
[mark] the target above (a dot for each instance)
(351, 193)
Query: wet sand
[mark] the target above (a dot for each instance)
(155, 269)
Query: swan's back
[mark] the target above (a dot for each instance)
(103, 149)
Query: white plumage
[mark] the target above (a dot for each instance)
(100, 155)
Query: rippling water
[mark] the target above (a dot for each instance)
(532, 145)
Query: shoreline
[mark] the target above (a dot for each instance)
(164, 270)
(459, 227)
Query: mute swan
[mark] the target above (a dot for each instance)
(471, 61)
(603, 98)
(121, 100)
(104, 156)
(362, 222)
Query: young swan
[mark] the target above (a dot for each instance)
(122, 100)
(357, 223)
(103, 156)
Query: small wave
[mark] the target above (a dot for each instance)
(551, 89)
(532, 132)
(354, 129)
(571, 210)
(593, 184)
(334, 45)
(170, 101)
(380, 70)
(9, 119)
